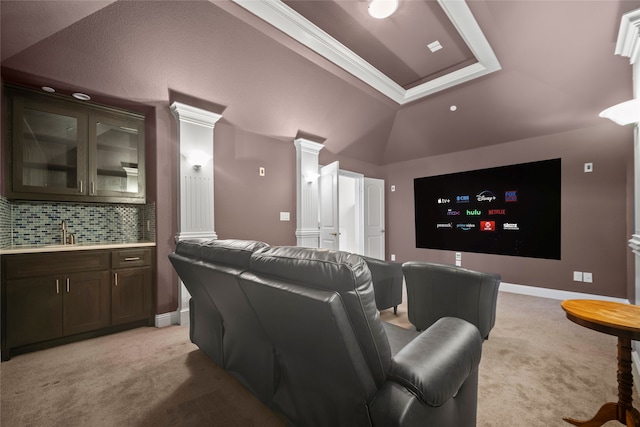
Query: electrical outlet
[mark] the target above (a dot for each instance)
(588, 167)
(393, 257)
(587, 277)
(393, 188)
(577, 276)
(262, 171)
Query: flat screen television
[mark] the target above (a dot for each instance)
(508, 210)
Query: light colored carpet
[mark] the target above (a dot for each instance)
(536, 367)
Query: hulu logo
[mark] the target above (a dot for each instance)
(474, 212)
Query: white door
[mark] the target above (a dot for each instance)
(329, 213)
(374, 218)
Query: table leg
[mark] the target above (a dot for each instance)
(623, 411)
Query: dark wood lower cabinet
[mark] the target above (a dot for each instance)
(86, 302)
(40, 311)
(131, 295)
(33, 312)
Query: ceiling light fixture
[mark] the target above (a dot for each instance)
(625, 113)
(48, 89)
(81, 96)
(381, 9)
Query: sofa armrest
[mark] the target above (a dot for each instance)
(437, 362)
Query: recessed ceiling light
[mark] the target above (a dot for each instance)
(381, 9)
(434, 46)
(453, 108)
(48, 89)
(81, 96)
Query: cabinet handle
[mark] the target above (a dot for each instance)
(115, 276)
(93, 188)
(133, 258)
(57, 286)
(80, 185)
(68, 284)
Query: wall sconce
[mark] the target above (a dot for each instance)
(310, 177)
(381, 9)
(197, 158)
(625, 113)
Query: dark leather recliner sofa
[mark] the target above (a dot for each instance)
(300, 329)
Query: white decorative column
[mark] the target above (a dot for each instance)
(628, 45)
(195, 215)
(307, 228)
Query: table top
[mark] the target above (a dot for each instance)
(614, 318)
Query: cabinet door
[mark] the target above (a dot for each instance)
(33, 310)
(86, 302)
(49, 148)
(116, 156)
(131, 295)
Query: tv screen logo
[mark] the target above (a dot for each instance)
(511, 196)
(487, 226)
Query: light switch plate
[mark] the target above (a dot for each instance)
(577, 276)
(285, 216)
(587, 277)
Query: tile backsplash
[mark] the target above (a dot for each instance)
(37, 223)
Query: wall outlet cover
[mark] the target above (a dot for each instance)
(577, 276)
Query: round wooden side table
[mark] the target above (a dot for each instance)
(622, 321)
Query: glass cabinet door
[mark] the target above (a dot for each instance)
(116, 157)
(49, 149)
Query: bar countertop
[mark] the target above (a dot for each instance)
(26, 249)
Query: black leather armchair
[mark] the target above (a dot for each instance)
(387, 282)
(435, 291)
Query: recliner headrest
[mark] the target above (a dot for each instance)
(320, 268)
(231, 252)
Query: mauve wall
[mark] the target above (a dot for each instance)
(597, 210)
(247, 205)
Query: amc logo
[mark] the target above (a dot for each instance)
(487, 226)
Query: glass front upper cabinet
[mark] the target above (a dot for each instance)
(50, 149)
(64, 150)
(116, 156)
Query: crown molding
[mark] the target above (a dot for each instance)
(281, 16)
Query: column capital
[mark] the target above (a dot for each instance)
(195, 115)
(303, 144)
(628, 43)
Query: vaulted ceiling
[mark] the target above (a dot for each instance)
(372, 89)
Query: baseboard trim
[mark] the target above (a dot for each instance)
(167, 319)
(554, 293)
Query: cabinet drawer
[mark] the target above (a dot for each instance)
(51, 263)
(125, 258)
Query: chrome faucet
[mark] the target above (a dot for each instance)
(64, 232)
